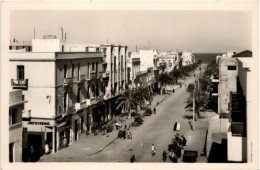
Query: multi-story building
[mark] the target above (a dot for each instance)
(169, 59)
(240, 134)
(187, 58)
(63, 90)
(133, 64)
(16, 109)
(227, 82)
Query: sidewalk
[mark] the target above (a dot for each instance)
(89, 145)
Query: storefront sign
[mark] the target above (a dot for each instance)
(38, 123)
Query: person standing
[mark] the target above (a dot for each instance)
(132, 159)
(32, 156)
(153, 150)
(154, 110)
(65, 142)
(164, 156)
(46, 147)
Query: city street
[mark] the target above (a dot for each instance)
(157, 129)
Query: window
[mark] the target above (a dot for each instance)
(65, 71)
(97, 49)
(93, 67)
(10, 47)
(88, 71)
(20, 72)
(12, 117)
(122, 62)
(62, 48)
(115, 63)
(78, 71)
(96, 67)
(232, 67)
(65, 101)
(72, 67)
(78, 96)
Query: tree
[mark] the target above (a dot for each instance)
(128, 102)
(201, 101)
(176, 73)
(163, 79)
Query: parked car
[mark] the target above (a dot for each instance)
(190, 156)
(148, 112)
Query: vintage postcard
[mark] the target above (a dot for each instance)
(129, 85)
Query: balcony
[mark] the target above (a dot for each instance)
(81, 105)
(19, 84)
(81, 79)
(67, 81)
(93, 75)
(91, 101)
(105, 75)
(26, 114)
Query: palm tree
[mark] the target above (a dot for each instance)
(176, 73)
(201, 101)
(128, 102)
(163, 79)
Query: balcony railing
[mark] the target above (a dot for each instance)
(81, 79)
(81, 105)
(19, 84)
(67, 81)
(91, 101)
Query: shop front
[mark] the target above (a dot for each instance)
(39, 132)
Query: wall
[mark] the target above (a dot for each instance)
(41, 83)
(146, 57)
(235, 148)
(46, 45)
(85, 86)
(227, 82)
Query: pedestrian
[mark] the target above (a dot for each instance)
(65, 142)
(32, 153)
(117, 126)
(132, 159)
(164, 156)
(124, 134)
(153, 150)
(184, 141)
(154, 110)
(46, 147)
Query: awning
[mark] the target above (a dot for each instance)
(61, 126)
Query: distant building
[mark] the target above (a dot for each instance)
(20, 46)
(16, 110)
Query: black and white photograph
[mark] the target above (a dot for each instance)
(129, 83)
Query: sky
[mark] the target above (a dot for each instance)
(199, 31)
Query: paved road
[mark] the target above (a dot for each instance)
(157, 129)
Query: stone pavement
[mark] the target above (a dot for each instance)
(92, 144)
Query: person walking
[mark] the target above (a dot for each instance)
(164, 155)
(153, 150)
(132, 159)
(154, 110)
(65, 142)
